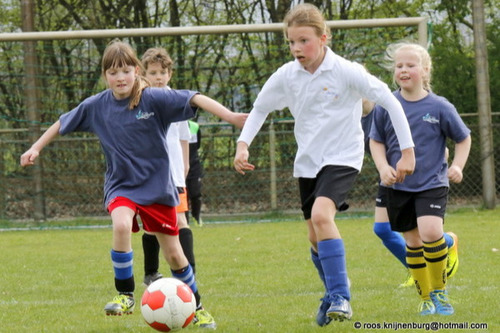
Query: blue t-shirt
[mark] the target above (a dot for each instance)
(134, 141)
(432, 120)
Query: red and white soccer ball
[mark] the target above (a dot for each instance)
(168, 304)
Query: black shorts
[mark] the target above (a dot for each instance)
(381, 199)
(405, 207)
(333, 181)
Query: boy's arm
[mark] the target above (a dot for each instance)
(185, 156)
(219, 110)
(29, 157)
(462, 150)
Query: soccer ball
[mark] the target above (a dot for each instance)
(168, 305)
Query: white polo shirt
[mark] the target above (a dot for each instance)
(327, 108)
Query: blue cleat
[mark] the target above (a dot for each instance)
(340, 308)
(321, 318)
(426, 308)
(441, 302)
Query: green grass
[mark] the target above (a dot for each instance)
(253, 277)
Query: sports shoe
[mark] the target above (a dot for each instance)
(441, 302)
(321, 318)
(204, 319)
(119, 305)
(340, 308)
(409, 282)
(150, 278)
(199, 222)
(426, 307)
(452, 262)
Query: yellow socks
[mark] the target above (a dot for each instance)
(436, 254)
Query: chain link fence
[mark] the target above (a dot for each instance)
(74, 166)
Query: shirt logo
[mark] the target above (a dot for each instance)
(144, 115)
(435, 206)
(430, 119)
(330, 94)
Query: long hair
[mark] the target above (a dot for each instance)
(306, 15)
(420, 51)
(120, 54)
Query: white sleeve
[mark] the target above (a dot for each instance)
(399, 121)
(377, 91)
(252, 126)
(272, 97)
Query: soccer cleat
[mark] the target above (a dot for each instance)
(426, 307)
(150, 278)
(340, 308)
(452, 262)
(321, 318)
(441, 302)
(408, 282)
(199, 222)
(203, 319)
(119, 305)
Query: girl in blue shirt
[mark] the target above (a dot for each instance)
(416, 206)
(131, 121)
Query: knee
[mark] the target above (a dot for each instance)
(381, 229)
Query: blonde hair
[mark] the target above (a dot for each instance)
(420, 51)
(120, 54)
(157, 55)
(306, 15)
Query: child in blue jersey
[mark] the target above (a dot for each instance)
(393, 240)
(131, 121)
(324, 92)
(416, 206)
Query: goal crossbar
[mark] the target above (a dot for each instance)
(420, 22)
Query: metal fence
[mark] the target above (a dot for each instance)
(73, 172)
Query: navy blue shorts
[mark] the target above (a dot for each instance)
(405, 207)
(333, 181)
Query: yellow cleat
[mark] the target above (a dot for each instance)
(409, 282)
(119, 305)
(452, 262)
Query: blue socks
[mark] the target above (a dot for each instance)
(186, 275)
(122, 264)
(449, 240)
(392, 240)
(332, 257)
(317, 264)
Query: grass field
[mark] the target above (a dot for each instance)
(253, 277)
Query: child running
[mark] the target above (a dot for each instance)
(324, 94)
(131, 121)
(416, 206)
(393, 240)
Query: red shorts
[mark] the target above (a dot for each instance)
(183, 206)
(155, 217)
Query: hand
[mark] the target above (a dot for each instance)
(455, 174)
(406, 165)
(241, 159)
(238, 119)
(29, 157)
(388, 176)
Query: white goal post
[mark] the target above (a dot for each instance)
(420, 22)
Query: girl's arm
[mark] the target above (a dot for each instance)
(386, 172)
(462, 150)
(29, 157)
(219, 110)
